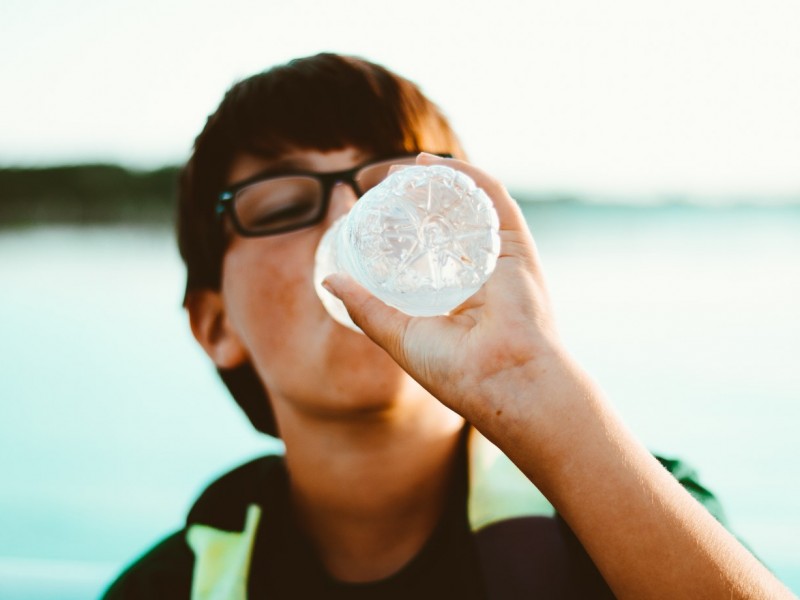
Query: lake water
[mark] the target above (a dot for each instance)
(112, 420)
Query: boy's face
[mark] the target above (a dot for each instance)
(301, 354)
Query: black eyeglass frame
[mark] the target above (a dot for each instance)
(226, 198)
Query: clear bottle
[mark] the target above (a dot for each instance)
(423, 241)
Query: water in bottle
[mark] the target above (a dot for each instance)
(423, 241)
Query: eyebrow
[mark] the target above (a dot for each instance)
(294, 166)
(283, 166)
(286, 165)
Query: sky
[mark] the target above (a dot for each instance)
(619, 97)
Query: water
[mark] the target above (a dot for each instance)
(112, 419)
(423, 240)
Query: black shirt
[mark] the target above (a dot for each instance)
(284, 563)
(525, 557)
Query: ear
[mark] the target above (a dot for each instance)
(212, 329)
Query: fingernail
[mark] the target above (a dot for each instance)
(327, 285)
(395, 168)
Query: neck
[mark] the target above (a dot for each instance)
(369, 490)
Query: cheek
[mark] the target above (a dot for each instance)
(268, 291)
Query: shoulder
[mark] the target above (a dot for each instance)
(166, 570)
(223, 505)
(687, 476)
(524, 546)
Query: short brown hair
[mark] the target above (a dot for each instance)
(323, 102)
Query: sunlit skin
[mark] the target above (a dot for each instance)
(369, 451)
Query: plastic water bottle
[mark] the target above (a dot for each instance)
(423, 241)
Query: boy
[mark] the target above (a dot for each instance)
(410, 451)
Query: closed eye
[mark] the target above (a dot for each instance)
(279, 215)
(279, 202)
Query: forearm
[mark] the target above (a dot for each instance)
(646, 534)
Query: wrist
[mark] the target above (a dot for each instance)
(535, 403)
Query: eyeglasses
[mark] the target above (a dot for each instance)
(277, 202)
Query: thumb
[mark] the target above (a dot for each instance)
(384, 325)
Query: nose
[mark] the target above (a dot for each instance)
(343, 197)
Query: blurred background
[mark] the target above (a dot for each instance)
(653, 146)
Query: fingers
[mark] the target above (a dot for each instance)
(508, 211)
(383, 324)
(516, 238)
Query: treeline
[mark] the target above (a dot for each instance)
(107, 193)
(86, 194)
